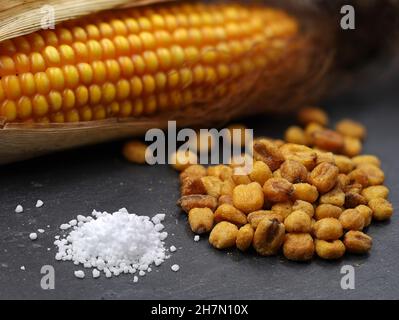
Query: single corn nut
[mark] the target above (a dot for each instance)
(268, 237)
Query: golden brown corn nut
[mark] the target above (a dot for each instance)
(248, 198)
(357, 242)
(305, 192)
(348, 127)
(298, 246)
(327, 229)
(181, 160)
(295, 134)
(268, 237)
(136, 62)
(245, 236)
(283, 209)
(223, 235)
(312, 115)
(352, 219)
(335, 197)
(254, 218)
(382, 208)
(189, 202)
(298, 222)
(327, 211)
(195, 171)
(227, 212)
(304, 206)
(200, 220)
(135, 151)
(329, 249)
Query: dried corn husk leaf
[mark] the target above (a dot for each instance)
(294, 78)
(19, 17)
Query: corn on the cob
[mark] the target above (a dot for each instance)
(136, 62)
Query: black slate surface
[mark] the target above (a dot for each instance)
(79, 181)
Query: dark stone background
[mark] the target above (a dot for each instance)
(79, 181)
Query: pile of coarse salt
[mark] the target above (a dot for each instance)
(113, 243)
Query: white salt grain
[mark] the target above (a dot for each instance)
(158, 218)
(159, 227)
(23, 268)
(114, 243)
(172, 249)
(33, 236)
(79, 274)
(96, 273)
(39, 204)
(19, 209)
(158, 262)
(40, 230)
(175, 267)
(163, 235)
(81, 218)
(65, 226)
(197, 238)
(108, 273)
(135, 279)
(116, 272)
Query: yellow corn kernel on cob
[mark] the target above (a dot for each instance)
(137, 62)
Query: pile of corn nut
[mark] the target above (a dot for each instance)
(310, 194)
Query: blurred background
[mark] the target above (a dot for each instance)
(369, 53)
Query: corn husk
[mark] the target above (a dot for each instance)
(20, 17)
(322, 56)
(296, 78)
